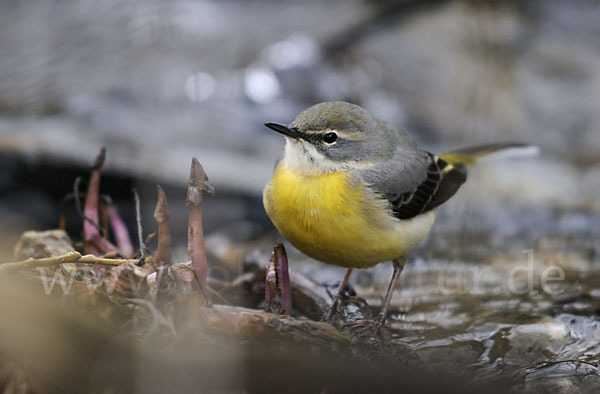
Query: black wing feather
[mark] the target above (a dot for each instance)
(441, 183)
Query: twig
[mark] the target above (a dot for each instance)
(43, 262)
(196, 248)
(310, 298)
(283, 278)
(91, 259)
(69, 257)
(119, 228)
(138, 220)
(76, 196)
(90, 211)
(163, 252)
(278, 292)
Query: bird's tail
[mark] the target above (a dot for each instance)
(469, 156)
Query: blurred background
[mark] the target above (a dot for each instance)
(159, 82)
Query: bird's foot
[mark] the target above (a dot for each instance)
(339, 299)
(367, 330)
(332, 312)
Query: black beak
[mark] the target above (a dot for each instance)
(283, 129)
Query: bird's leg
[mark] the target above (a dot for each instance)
(398, 266)
(370, 328)
(338, 297)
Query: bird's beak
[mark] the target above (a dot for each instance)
(283, 129)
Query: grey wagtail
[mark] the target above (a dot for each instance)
(354, 191)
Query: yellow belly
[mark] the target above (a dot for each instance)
(338, 220)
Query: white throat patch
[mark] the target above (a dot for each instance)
(303, 157)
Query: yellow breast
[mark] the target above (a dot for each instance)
(336, 219)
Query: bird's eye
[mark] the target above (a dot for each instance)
(330, 138)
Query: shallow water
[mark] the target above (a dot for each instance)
(503, 299)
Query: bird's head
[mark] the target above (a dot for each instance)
(331, 136)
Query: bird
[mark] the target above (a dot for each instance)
(354, 191)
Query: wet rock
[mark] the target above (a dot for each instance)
(537, 342)
(451, 355)
(567, 378)
(40, 244)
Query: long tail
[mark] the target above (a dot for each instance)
(469, 156)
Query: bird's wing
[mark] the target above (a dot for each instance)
(442, 181)
(415, 181)
(417, 184)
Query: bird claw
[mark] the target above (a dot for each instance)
(332, 312)
(339, 301)
(366, 330)
(341, 308)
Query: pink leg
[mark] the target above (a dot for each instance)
(398, 266)
(333, 309)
